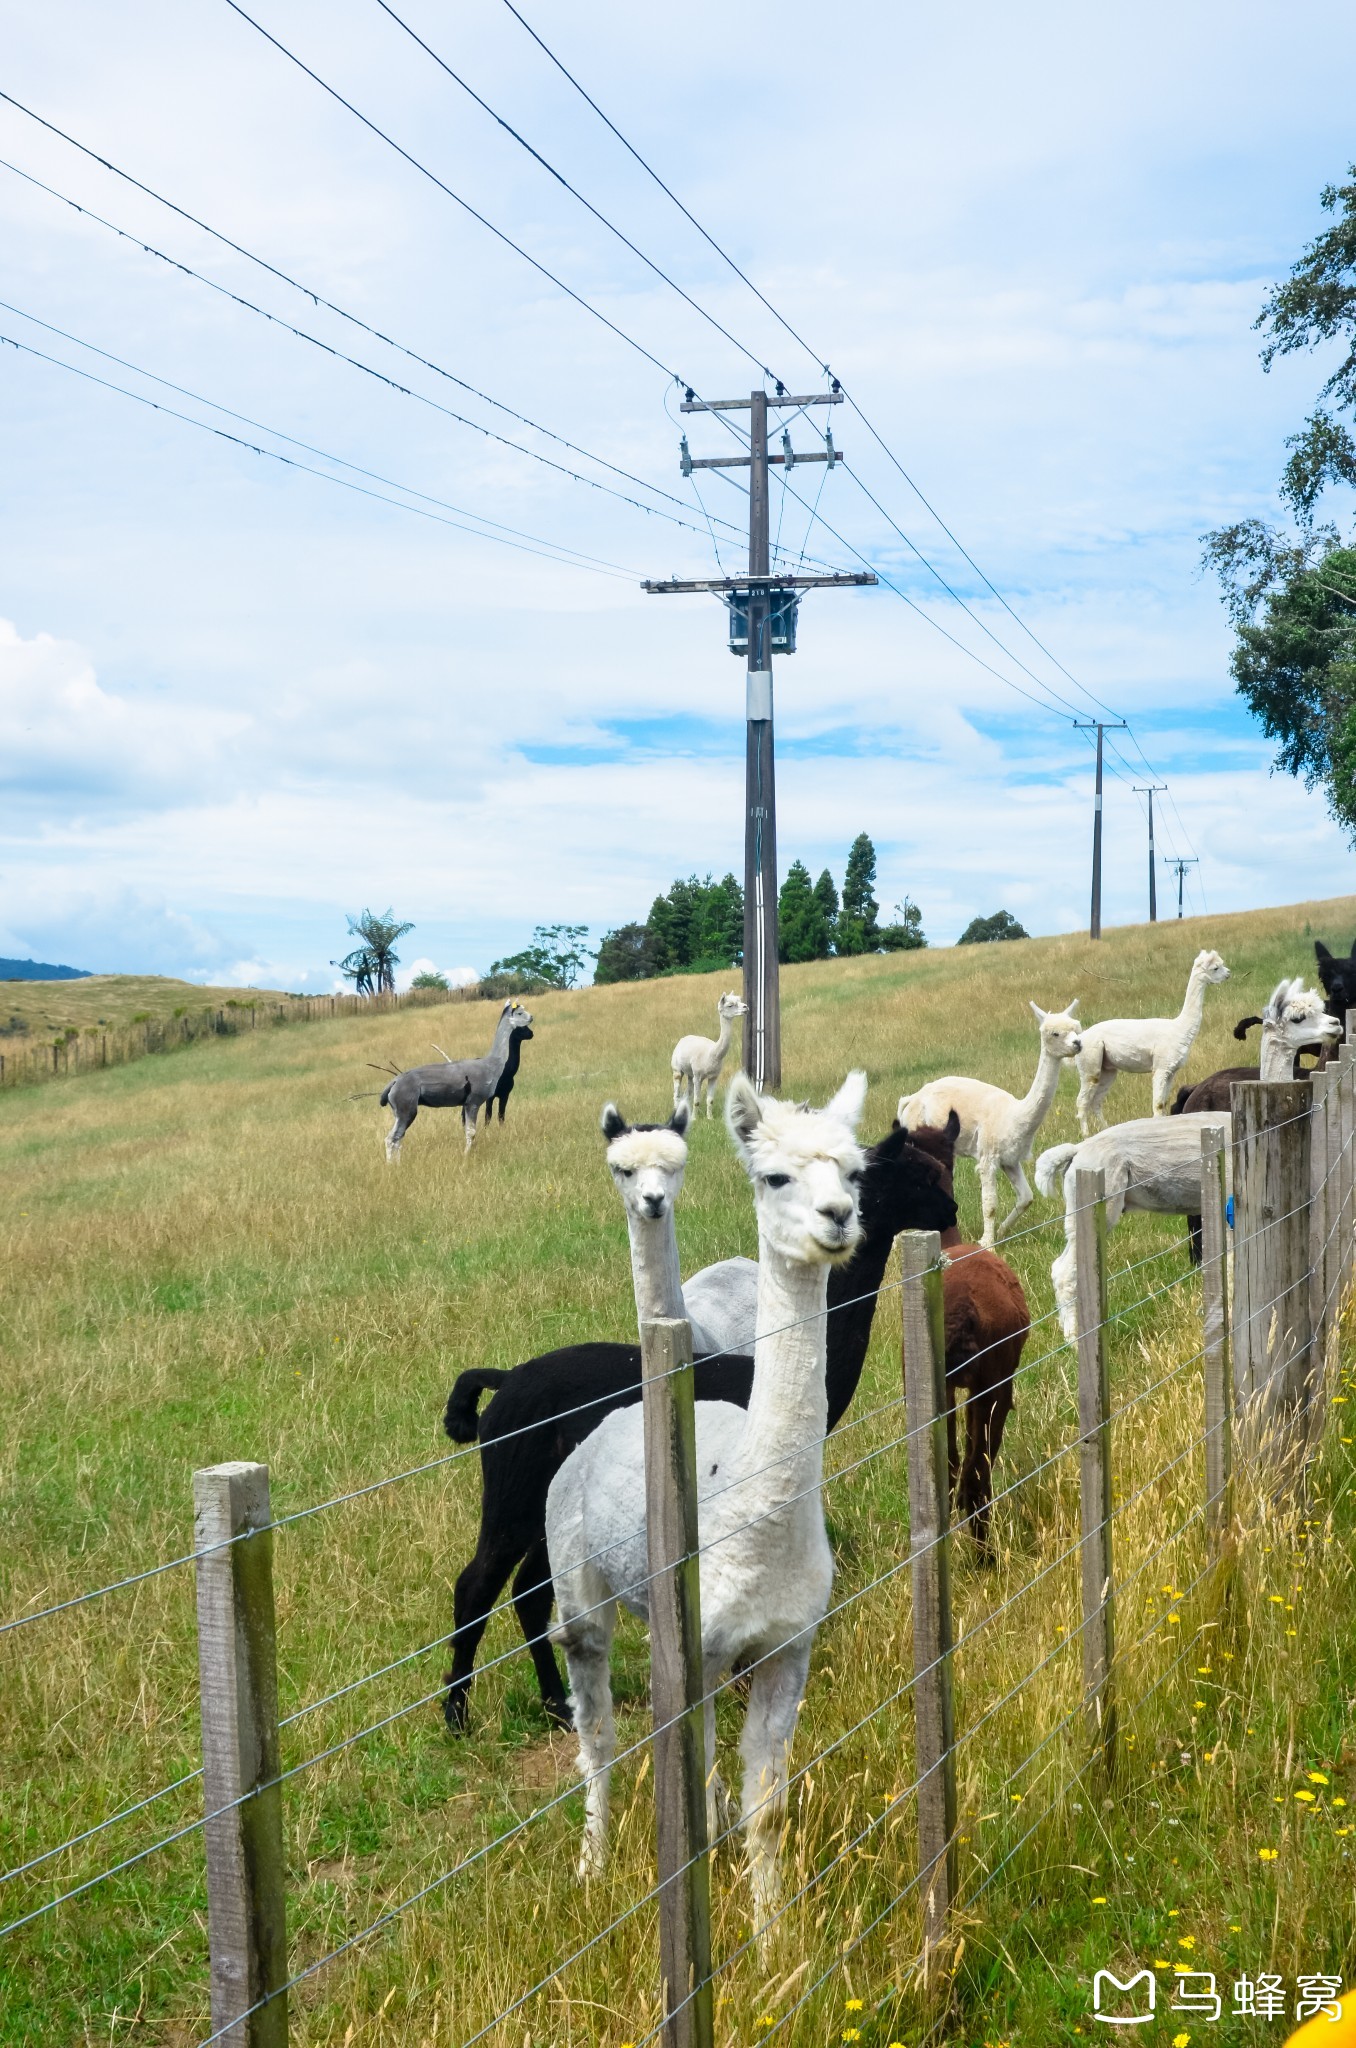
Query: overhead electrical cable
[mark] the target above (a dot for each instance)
(340, 355)
(530, 543)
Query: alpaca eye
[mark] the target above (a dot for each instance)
(776, 1180)
(626, 1172)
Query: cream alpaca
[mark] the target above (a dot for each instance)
(766, 1567)
(1143, 1045)
(997, 1130)
(697, 1061)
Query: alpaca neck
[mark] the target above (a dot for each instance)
(851, 1306)
(951, 1238)
(1041, 1093)
(1278, 1060)
(723, 1039)
(783, 1437)
(654, 1267)
(498, 1053)
(1193, 1003)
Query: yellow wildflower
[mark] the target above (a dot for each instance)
(1198, 1703)
(1267, 1855)
(1186, 1941)
(1174, 1617)
(851, 2034)
(1339, 1802)
(1180, 2040)
(1316, 1777)
(1307, 1797)
(1162, 1963)
(854, 2004)
(1099, 1900)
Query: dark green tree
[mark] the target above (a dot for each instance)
(697, 926)
(858, 919)
(1291, 593)
(905, 933)
(826, 896)
(372, 964)
(625, 955)
(801, 931)
(429, 977)
(983, 931)
(555, 958)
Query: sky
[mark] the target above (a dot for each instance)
(240, 700)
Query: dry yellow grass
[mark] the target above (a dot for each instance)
(206, 1257)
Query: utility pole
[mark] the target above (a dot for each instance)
(1181, 867)
(1101, 725)
(1149, 789)
(762, 607)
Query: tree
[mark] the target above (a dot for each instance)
(1291, 594)
(858, 930)
(371, 966)
(698, 926)
(983, 931)
(429, 977)
(555, 958)
(625, 955)
(905, 934)
(826, 896)
(801, 931)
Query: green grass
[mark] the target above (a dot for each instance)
(42, 1008)
(206, 1257)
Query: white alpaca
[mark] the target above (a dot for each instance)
(997, 1130)
(697, 1061)
(766, 1567)
(647, 1163)
(1143, 1045)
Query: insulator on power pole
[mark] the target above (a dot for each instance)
(828, 443)
(684, 457)
(788, 457)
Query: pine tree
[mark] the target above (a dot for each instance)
(826, 896)
(801, 932)
(858, 920)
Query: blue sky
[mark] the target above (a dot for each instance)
(237, 702)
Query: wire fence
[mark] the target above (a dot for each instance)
(1263, 1371)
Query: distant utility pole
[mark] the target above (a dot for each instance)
(762, 607)
(1101, 725)
(1149, 789)
(1181, 867)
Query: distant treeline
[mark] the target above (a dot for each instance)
(698, 926)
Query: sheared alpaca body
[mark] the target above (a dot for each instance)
(1151, 1163)
(697, 1061)
(987, 1325)
(1294, 1021)
(544, 1407)
(1143, 1045)
(998, 1130)
(453, 1084)
(766, 1567)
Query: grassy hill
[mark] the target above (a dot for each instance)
(206, 1257)
(44, 1007)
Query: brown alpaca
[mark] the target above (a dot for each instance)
(987, 1324)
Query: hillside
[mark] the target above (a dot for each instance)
(206, 1257)
(41, 1008)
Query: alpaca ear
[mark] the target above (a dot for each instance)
(613, 1122)
(850, 1100)
(1038, 1013)
(681, 1117)
(743, 1110)
(1072, 1005)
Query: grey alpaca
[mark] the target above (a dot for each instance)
(454, 1084)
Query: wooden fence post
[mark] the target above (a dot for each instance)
(1346, 1097)
(1319, 1213)
(1219, 1393)
(1273, 1333)
(1094, 1465)
(676, 1683)
(925, 1406)
(237, 1671)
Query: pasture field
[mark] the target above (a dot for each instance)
(40, 1008)
(206, 1257)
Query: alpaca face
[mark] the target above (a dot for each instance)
(908, 1181)
(731, 1006)
(1338, 976)
(805, 1165)
(1210, 967)
(1298, 1014)
(1061, 1032)
(647, 1162)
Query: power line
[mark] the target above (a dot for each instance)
(532, 544)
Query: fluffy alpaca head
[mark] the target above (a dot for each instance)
(646, 1161)
(1210, 967)
(1299, 1016)
(805, 1165)
(519, 1018)
(908, 1181)
(1338, 977)
(1061, 1032)
(730, 1005)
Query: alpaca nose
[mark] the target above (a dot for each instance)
(839, 1212)
(654, 1205)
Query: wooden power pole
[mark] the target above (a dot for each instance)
(1181, 867)
(1101, 725)
(1150, 789)
(762, 608)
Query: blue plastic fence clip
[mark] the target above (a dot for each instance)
(1229, 1212)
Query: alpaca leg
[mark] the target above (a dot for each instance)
(679, 1086)
(532, 1596)
(988, 1198)
(1093, 1083)
(775, 1694)
(1021, 1187)
(985, 1417)
(469, 1112)
(1064, 1274)
(586, 1641)
(1099, 1094)
(1164, 1077)
(477, 1590)
(396, 1133)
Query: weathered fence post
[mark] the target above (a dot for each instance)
(676, 1683)
(1346, 1114)
(1319, 1181)
(1219, 1393)
(925, 1405)
(1273, 1333)
(237, 1671)
(1094, 1465)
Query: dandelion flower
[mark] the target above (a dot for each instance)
(1307, 1797)
(851, 2034)
(1174, 1912)
(1316, 1777)
(1339, 1802)
(1180, 2040)
(1174, 1618)
(1235, 1927)
(1099, 1901)
(1276, 1600)
(1267, 1855)
(1198, 1703)
(854, 2004)
(1162, 1963)
(1186, 1941)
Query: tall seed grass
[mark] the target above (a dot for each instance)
(208, 1258)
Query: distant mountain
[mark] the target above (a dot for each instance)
(40, 970)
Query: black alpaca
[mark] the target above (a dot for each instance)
(1338, 977)
(547, 1405)
(507, 1078)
